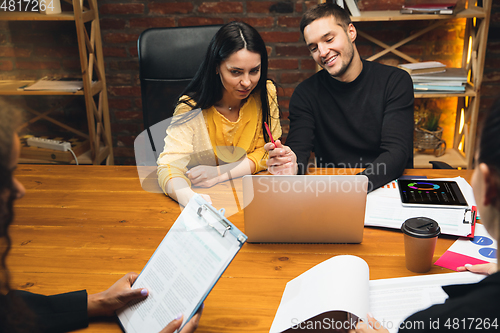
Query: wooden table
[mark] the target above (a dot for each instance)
(84, 227)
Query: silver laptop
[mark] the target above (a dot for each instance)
(304, 209)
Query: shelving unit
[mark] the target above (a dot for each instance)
(94, 92)
(476, 34)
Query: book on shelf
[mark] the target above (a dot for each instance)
(436, 7)
(436, 88)
(450, 74)
(451, 80)
(338, 292)
(56, 83)
(352, 6)
(441, 83)
(424, 67)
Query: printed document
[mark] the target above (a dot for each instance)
(384, 209)
(181, 272)
(342, 283)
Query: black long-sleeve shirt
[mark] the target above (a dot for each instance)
(366, 123)
(469, 308)
(56, 313)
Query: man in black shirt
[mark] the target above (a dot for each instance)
(353, 113)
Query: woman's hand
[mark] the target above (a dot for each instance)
(282, 160)
(204, 176)
(190, 327)
(486, 269)
(118, 295)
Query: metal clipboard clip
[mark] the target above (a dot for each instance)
(470, 215)
(469, 221)
(216, 219)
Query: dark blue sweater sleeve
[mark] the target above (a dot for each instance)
(397, 132)
(302, 126)
(57, 313)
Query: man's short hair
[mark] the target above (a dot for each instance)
(324, 10)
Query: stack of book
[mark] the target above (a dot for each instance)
(435, 7)
(435, 77)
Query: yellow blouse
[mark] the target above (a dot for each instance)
(209, 138)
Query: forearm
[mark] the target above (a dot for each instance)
(384, 169)
(302, 131)
(236, 169)
(178, 189)
(396, 147)
(56, 313)
(94, 306)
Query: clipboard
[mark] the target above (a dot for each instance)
(184, 268)
(469, 222)
(384, 209)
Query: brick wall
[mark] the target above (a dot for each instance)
(33, 49)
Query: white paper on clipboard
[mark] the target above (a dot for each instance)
(184, 268)
(384, 209)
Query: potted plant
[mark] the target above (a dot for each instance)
(428, 134)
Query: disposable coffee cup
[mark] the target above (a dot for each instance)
(420, 237)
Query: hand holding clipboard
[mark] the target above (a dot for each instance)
(184, 268)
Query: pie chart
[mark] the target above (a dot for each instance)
(422, 186)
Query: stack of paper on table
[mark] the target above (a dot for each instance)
(384, 209)
(341, 284)
(482, 249)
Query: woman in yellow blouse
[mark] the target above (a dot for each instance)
(218, 131)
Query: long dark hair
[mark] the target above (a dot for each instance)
(206, 87)
(489, 144)
(14, 315)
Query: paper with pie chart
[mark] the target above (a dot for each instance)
(431, 193)
(384, 209)
(481, 249)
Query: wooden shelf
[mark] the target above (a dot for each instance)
(469, 92)
(395, 15)
(87, 16)
(94, 90)
(11, 87)
(475, 37)
(85, 158)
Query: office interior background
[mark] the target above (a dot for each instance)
(31, 50)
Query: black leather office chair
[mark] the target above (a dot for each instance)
(168, 60)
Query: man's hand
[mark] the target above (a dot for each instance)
(486, 269)
(282, 160)
(190, 327)
(203, 176)
(118, 295)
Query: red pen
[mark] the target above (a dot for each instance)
(269, 133)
